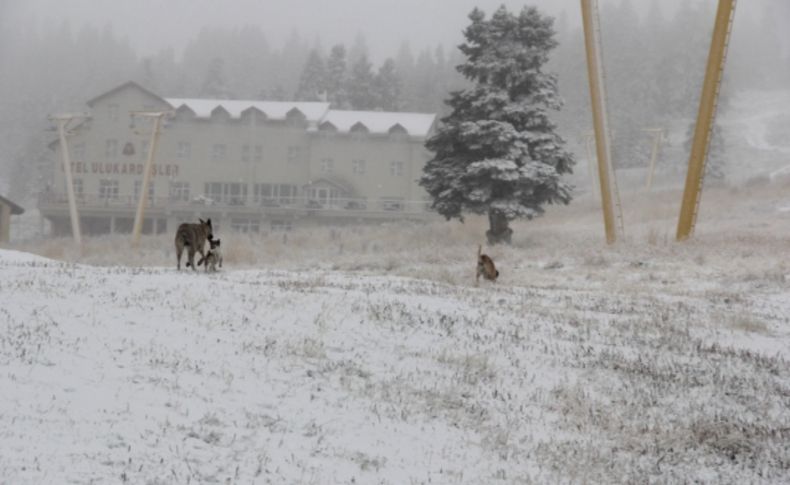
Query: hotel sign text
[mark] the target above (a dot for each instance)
(166, 170)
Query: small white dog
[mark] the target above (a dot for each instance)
(213, 257)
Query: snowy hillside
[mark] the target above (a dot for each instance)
(119, 374)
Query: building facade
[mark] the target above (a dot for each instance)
(249, 165)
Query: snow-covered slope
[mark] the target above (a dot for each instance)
(116, 374)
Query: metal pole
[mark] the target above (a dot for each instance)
(658, 133)
(600, 122)
(139, 217)
(705, 117)
(62, 121)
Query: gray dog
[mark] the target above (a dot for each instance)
(194, 237)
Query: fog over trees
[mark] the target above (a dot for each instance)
(654, 56)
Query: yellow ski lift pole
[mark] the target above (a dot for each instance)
(705, 118)
(592, 45)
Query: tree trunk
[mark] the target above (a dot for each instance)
(500, 231)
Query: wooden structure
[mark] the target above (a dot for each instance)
(157, 116)
(7, 209)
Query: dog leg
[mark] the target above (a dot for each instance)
(192, 258)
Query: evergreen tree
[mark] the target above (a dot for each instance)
(627, 84)
(497, 152)
(360, 89)
(426, 91)
(292, 60)
(312, 83)
(336, 77)
(277, 93)
(404, 65)
(715, 163)
(358, 49)
(388, 87)
(214, 83)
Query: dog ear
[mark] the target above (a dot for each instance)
(200, 221)
(208, 221)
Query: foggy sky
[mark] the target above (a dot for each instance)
(151, 25)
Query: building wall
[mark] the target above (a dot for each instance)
(389, 164)
(5, 223)
(280, 152)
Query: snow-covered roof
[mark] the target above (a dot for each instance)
(380, 122)
(274, 110)
(123, 87)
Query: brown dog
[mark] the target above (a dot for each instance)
(485, 267)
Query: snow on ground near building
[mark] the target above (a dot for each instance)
(581, 369)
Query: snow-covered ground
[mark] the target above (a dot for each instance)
(362, 358)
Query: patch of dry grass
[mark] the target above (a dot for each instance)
(739, 233)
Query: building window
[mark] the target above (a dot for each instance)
(144, 146)
(262, 194)
(108, 189)
(281, 225)
(112, 111)
(358, 167)
(294, 154)
(392, 204)
(218, 152)
(258, 153)
(245, 153)
(184, 150)
(78, 152)
(358, 131)
(396, 169)
(179, 191)
(245, 225)
(287, 194)
(213, 191)
(327, 165)
(111, 148)
(138, 185)
(235, 194)
(274, 195)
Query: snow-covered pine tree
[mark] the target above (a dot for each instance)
(388, 87)
(361, 85)
(336, 77)
(715, 163)
(312, 82)
(497, 153)
(214, 85)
